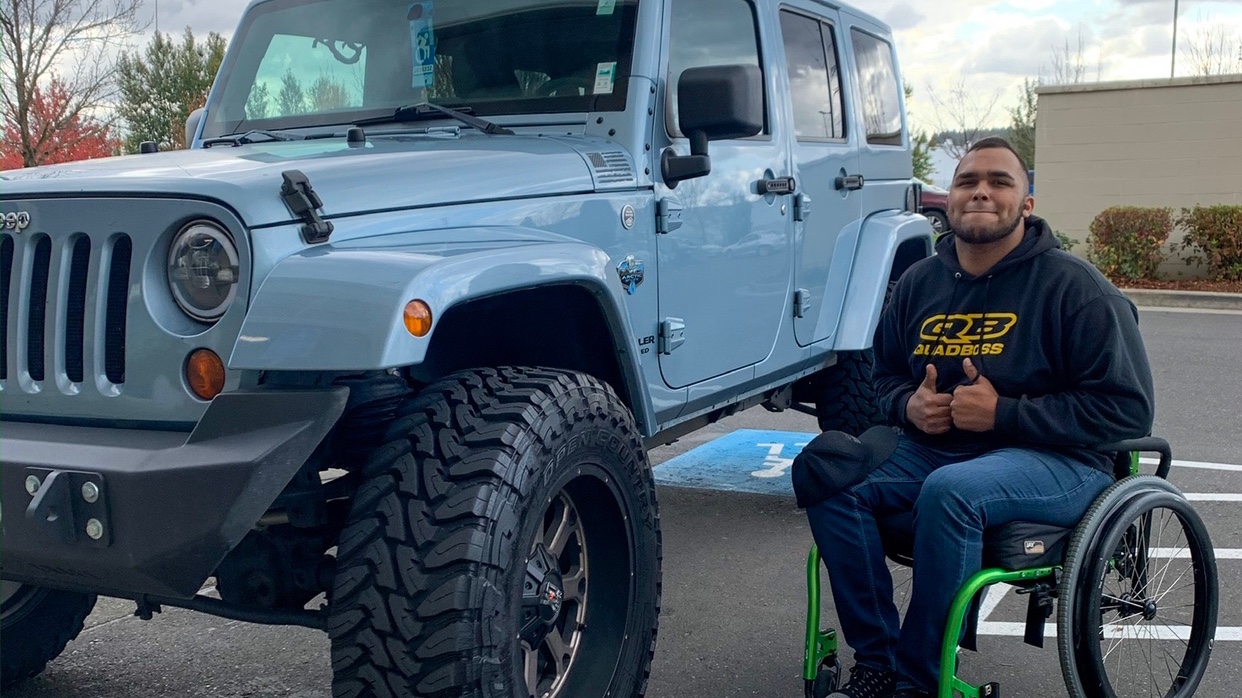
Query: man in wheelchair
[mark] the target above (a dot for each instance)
(1004, 360)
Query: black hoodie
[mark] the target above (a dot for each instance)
(1058, 341)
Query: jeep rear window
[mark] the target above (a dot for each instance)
(328, 62)
(877, 85)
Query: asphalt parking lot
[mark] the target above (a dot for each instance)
(734, 577)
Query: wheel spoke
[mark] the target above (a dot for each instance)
(561, 530)
(558, 650)
(530, 658)
(574, 585)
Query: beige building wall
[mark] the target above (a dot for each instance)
(1173, 143)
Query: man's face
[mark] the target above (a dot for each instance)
(988, 199)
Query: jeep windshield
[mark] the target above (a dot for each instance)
(303, 64)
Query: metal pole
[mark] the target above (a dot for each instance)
(1173, 65)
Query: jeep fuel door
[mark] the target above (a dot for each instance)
(825, 152)
(724, 274)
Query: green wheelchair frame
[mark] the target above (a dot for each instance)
(820, 659)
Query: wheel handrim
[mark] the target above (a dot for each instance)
(554, 599)
(1151, 609)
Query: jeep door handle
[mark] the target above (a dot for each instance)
(850, 182)
(780, 186)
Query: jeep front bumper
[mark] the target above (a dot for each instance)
(129, 512)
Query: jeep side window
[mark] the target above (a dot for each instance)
(877, 85)
(710, 32)
(814, 82)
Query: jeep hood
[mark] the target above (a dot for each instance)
(386, 173)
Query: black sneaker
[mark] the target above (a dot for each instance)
(866, 682)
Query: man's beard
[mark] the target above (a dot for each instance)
(982, 235)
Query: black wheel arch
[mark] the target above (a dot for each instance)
(562, 326)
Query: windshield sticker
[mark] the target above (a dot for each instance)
(605, 73)
(606, 7)
(423, 45)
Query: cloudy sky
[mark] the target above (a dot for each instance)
(992, 44)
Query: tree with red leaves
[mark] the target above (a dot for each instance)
(57, 132)
(76, 42)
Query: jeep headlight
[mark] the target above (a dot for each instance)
(202, 270)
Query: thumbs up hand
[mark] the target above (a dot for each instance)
(927, 409)
(973, 406)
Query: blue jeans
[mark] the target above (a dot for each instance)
(954, 498)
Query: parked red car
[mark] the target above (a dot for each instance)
(935, 205)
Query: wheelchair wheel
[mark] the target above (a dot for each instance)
(827, 680)
(1139, 597)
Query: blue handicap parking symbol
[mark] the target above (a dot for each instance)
(747, 460)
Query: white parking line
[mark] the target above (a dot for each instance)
(1177, 632)
(1213, 497)
(1194, 464)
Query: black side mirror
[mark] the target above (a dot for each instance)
(714, 103)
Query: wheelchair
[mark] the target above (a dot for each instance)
(1134, 586)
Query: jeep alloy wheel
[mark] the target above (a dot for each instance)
(504, 543)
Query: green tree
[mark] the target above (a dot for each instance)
(326, 94)
(160, 87)
(1022, 122)
(292, 98)
(923, 168)
(258, 103)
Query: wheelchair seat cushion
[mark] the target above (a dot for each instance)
(1013, 546)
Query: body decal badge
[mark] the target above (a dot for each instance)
(627, 216)
(631, 272)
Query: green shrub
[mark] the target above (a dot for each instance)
(1125, 241)
(1067, 242)
(1214, 233)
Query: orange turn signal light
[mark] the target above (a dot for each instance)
(417, 317)
(204, 373)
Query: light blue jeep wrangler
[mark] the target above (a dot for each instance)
(400, 325)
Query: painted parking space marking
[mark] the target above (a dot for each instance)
(1145, 632)
(1194, 464)
(746, 460)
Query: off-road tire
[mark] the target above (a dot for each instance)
(847, 398)
(35, 626)
(437, 552)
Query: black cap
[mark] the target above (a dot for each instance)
(835, 461)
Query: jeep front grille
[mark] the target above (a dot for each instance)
(47, 290)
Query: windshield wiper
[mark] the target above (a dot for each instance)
(252, 136)
(427, 110)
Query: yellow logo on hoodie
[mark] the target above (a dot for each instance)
(964, 334)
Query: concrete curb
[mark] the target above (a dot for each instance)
(1154, 298)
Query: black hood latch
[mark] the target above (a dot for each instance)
(304, 203)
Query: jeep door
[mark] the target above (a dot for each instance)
(884, 152)
(825, 163)
(724, 274)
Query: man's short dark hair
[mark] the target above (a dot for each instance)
(998, 142)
